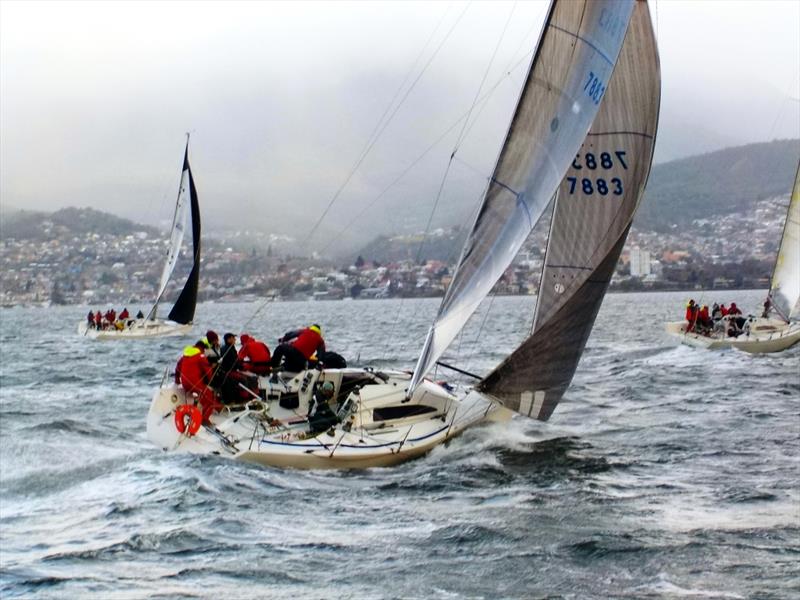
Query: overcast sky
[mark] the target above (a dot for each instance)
(281, 99)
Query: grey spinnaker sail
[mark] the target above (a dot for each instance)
(567, 79)
(186, 204)
(784, 288)
(594, 208)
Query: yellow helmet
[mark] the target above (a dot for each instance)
(316, 328)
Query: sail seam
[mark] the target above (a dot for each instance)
(639, 133)
(504, 186)
(570, 267)
(587, 42)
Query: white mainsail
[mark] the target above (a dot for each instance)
(594, 209)
(567, 79)
(785, 285)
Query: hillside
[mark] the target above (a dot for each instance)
(441, 245)
(34, 225)
(700, 187)
(717, 183)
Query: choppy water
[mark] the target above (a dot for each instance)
(667, 472)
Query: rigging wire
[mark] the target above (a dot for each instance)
(380, 127)
(459, 141)
(461, 134)
(465, 122)
(434, 144)
(372, 142)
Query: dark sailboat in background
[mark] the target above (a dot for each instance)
(583, 132)
(179, 320)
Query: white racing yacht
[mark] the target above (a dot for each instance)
(580, 143)
(779, 327)
(179, 321)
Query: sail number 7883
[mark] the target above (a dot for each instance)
(592, 162)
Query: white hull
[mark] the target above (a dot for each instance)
(377, 428)
(765, 335)
(140, 329)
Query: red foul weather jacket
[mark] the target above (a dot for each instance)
(309, 342)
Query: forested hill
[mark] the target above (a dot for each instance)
(717, 183)
(34, 225)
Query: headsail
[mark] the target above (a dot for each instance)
(183, 310)
(784, 288)
(594, 209)
(568, 76)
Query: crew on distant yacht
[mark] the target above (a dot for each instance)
(110, 320)
(691, 315)
(703, 323)
(767, 308)
(722, 320)
(716, 312)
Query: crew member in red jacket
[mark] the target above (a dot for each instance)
(691, 315)
(98, 320)
(193, 372)
(298, 347)
(704, 319)
(254, 355)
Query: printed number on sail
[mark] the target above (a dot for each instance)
(606, 161)
(594, 88)
(590, 186)
(600, 185)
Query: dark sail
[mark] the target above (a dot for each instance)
(183, 311)
(593, 212)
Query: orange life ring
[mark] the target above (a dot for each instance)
(195, 418)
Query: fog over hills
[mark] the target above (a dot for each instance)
(285, 99)
(700, 187)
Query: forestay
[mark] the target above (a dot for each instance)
(559, 100)
(593, 212)
(785, 284)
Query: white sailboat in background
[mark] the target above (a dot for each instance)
(766, 333)
(577, 132)
(179, 321)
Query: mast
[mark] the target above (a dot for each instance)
(565, 83)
